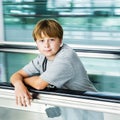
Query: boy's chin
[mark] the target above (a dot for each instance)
(50, 57)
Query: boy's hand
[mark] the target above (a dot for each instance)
(22, 94)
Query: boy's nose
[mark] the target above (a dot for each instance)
(46, 44)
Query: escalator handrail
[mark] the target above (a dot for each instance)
(107, 52)
(100, 96)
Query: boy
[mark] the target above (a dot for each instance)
(57, 65)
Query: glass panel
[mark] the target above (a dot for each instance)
(88, 22)
(104, 73)
(13, 62)
(56, 113)
(14, 114)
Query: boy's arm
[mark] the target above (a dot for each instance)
(36, 82)
(21, 92)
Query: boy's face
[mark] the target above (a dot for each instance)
(48, 46)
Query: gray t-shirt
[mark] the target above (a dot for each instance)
(65, 71)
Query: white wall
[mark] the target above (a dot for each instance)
(1, 23)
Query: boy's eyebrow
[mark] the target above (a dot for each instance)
(39, 39)
(47, 38)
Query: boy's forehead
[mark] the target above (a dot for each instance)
(42, 35)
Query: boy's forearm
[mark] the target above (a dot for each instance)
(31, 81)
(35, 82)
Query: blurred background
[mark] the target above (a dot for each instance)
(91, 24)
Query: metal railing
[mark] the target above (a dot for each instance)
(81, 50)
(95, 101)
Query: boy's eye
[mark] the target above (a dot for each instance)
(41, 40)
(52, 39)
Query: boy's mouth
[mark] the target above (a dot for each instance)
(48, 50)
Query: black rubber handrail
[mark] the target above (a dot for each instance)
(99, 96)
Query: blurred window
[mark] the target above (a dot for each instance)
(88, 22)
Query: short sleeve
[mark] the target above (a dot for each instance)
(33, 67)
(58, 73)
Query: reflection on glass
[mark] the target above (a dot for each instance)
(104, 73)
(66, 114)
(79, 114)
(13, 62)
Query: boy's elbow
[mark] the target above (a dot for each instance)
(40, 87)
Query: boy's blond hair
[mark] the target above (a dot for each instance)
(48, 27)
